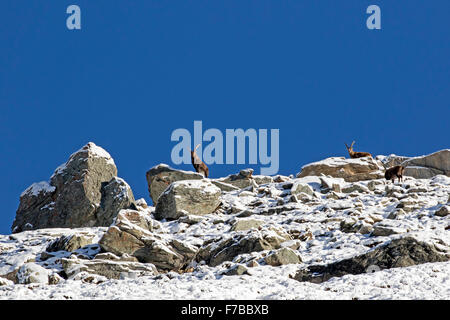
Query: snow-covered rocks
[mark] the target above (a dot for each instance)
(350, 170)
(32, 273)
(160, 177)
(226, 249)
(69, 243)
(196, 197)
(283, 256)
(83, 192)
(402, 252)
(107, 268)
(259, 237)
(133, 234)
(245, 178)
(428, 166)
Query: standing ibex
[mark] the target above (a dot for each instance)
(394, 172)
(199, 166)
(354, 154)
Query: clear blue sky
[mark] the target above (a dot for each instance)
(137, 70)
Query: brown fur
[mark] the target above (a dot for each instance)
(394, 172)
(354, 154)
(199, 165)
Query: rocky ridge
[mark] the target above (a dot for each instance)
(323, 224)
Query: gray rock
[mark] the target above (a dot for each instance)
(191, 219)
(113, 257)
(225, 187)
(32, 273)
(372, 185)
(355, 188)
(396, 214)
(427, 166)
(365, 228)
(107, 268)
(75, 194)
(328, 184)
(132, 235)
(442, 211)
(160, 177)
(55, 278)
(241, 180)
(349, 225)
(236, 270)
(282, 256)
(299, 187)
(227, 249)
(246, 224)
(421, 172)
(116, 195)
(69, 243)
(351, 170)
(197, 197)
(397, 253)
(380, 230)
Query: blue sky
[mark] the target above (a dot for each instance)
(137, 70)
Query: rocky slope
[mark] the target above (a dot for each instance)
(337, 230)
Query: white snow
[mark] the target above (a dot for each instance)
(321, 241)
(339, 161)
(426, 281)
(37, 188)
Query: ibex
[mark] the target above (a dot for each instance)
(354, 154)
(394, 172)
(199, 166)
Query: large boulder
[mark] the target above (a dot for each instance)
(196, 197)
(422, 167)
(32, 273)
(428, 166)
(160, 177)
(133, 234)
(69, 243)
(397, 253)
(107, 268)
(283, 256)
(83, 192)
(351, 170)
(226, 249)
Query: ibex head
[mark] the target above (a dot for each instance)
(350, 149)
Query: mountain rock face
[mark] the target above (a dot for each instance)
(83, 192)
(339, 218)
(351, 170)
